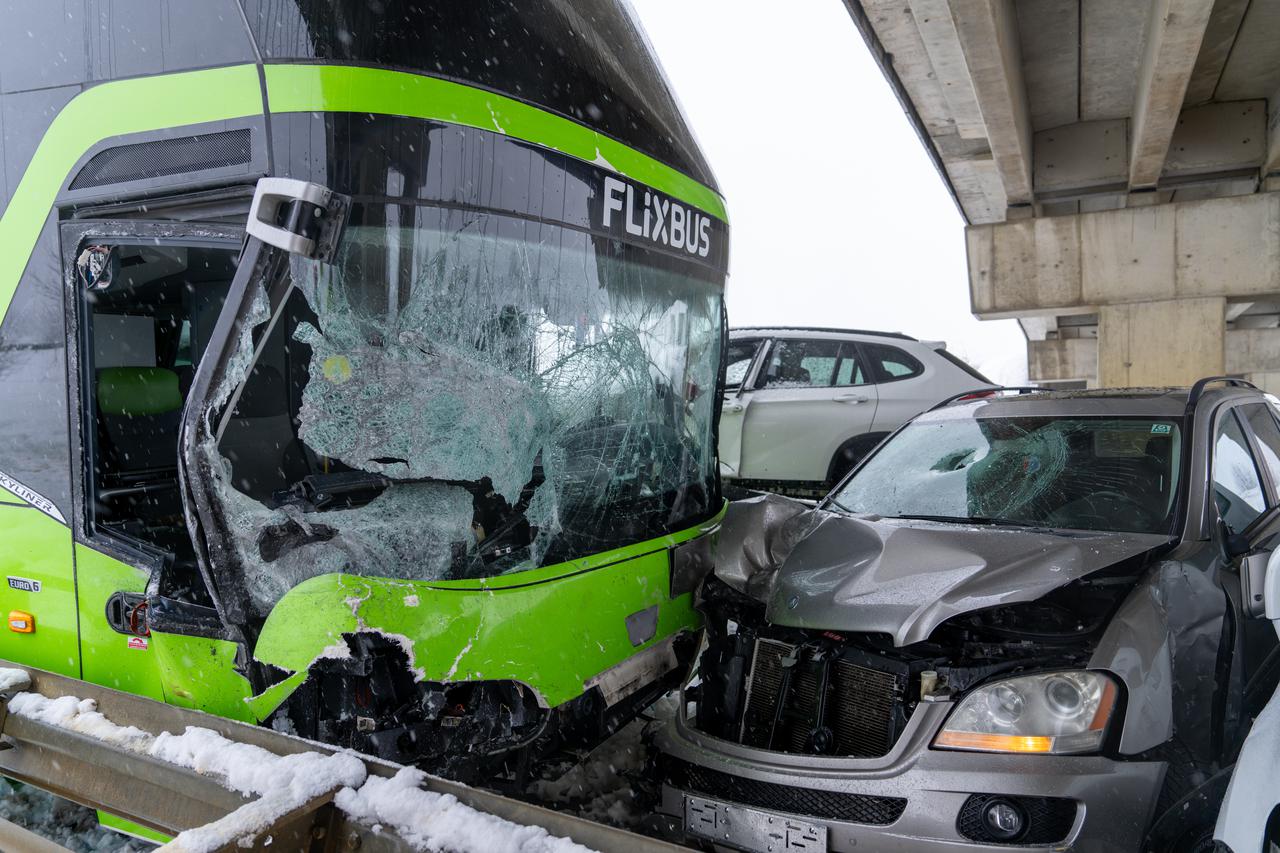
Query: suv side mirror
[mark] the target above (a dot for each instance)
(1271, 589)
(1255, 571)
(1235, 544)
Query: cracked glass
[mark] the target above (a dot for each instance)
(462, 395)
(1117, 474)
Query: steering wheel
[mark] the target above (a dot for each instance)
(1145, 516)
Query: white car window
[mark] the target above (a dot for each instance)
(802, 364)
(893, 362)
(850, 370)
(738, 361)
(1263, 425)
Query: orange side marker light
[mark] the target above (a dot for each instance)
(21, 622)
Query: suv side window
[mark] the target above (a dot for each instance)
(1262, 423)
(1237, 487)
(850, 371)
(738, 360)
(801, 364)
(892, 363)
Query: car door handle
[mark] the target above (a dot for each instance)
(733, 408)
(850, 398)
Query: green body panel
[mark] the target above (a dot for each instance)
(108, 659)
(551, 636)
(350, 89)
(36, 547)
(119, 824)
(200, 673)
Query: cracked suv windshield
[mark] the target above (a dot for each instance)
(1085, 473)
(461, 395)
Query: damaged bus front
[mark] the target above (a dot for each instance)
(398, 431)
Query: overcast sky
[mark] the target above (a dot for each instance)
(837, 217)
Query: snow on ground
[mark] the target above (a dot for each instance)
(427, 820)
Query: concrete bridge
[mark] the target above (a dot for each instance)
(1118, 165)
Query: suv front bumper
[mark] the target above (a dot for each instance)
(1113, 800)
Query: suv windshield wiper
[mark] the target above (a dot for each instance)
(983, 520)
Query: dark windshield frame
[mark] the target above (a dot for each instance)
(1174, 520)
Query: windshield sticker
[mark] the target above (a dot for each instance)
(32, 497)
(649, 214)
(1161, 429)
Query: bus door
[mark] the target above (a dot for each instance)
(148, 296)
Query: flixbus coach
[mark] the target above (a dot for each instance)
(358, 365)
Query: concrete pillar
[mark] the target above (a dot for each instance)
(1169, 342)
(1063, 360)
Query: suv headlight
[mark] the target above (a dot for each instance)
(1057, 713)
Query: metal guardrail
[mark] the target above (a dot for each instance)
(170, 799)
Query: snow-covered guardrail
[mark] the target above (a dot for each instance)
(217, 785)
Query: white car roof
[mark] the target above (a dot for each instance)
(822, 334)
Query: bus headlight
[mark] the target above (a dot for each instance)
(1057, 713)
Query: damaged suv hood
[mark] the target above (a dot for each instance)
(826, 571)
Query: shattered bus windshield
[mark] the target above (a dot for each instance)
(461, 395)
(1116, 474)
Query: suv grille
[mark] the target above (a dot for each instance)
(808, 802)
(857, 705)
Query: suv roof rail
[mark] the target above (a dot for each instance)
(1197, 390)
(899, 335)
(988, 392)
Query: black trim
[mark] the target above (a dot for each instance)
(960, 363)
(1198, 389)
(868, 809)
(163, 158)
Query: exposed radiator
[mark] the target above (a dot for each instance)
(857, 718)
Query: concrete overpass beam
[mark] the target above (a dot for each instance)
(1175, 31)
(988, 35)
(1225, 247)
(1172, 342)
(938, 32)
(1271, 165)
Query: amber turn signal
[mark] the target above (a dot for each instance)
(21, 622)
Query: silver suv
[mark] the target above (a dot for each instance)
(803, 405)
(1021, 621)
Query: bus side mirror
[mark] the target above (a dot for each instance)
(299, 217)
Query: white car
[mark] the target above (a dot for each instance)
(803, 405)
(1250, 817)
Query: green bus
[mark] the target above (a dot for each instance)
(359, 366)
